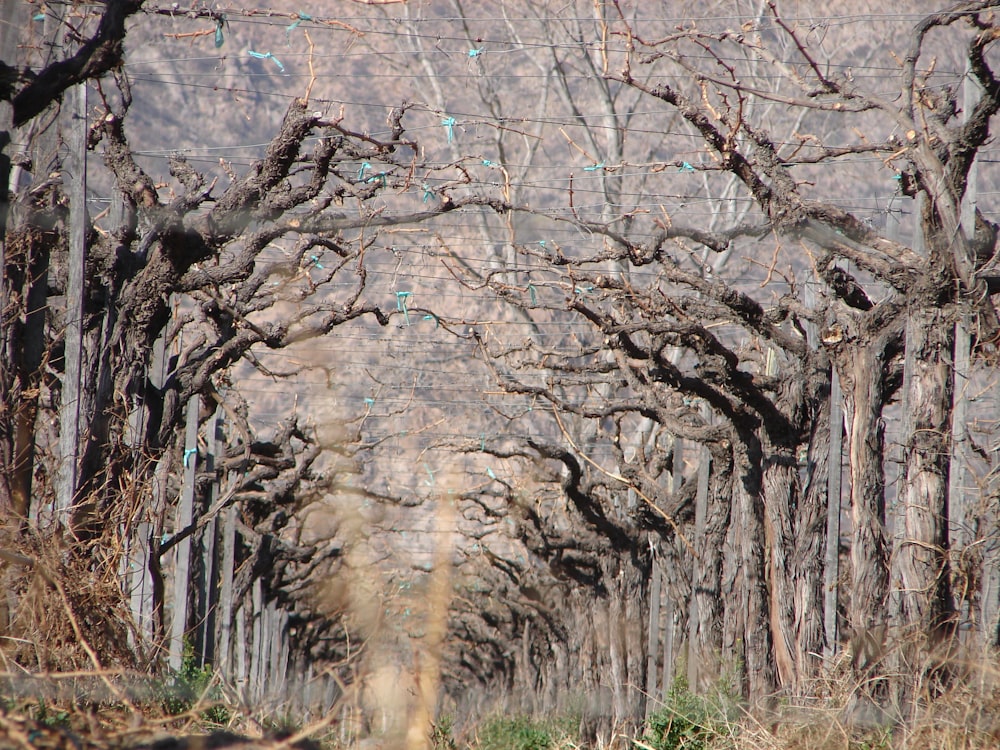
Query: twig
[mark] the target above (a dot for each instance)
(304, 733)
(774, 263)
(98, 669)
(312, 69)
(190, 34)
(577, 146)
(15, 733)
(619, 478)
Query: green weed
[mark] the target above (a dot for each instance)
(443, 734)
(193, 684)
(880, 739)
(521, 733)
(685, 721)
(50, 717)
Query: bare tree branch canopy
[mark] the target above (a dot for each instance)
(573, 303)
(98, 55)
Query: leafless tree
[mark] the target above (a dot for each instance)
(186, 278)
(825, 291)
(706, 285)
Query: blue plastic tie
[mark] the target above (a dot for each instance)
(488, 163)
(380, 178)
(482, 442)
(542, 243)
(490, 474)
(584, 289)
(315, 260)
(219, 38)
(434, 318)
(301, 17)
(685, 167)
(369, 402)
(534, 294)
(401, 305)
(429, 482)
(187, 455)
(449, 124)
(361, 172)
(428, 193)
(267, 56)
(38, 17)
(594, 168)
(476, 52)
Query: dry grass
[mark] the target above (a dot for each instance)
(963, 714)
(62, 611)
(69, 679)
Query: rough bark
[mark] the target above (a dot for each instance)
(706, 585)
(864, 393)
(921, 561)
(26, 262)
(779, 491)
(747, 631)
(95, 57)
(809, 547)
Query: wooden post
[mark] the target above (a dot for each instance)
(700, 513)
(241, 675)
(226, 568)
(831, 564)
(208, 596)
(140, 581)
(10, 37)
(653, 638)
(185, 515)
(959, 536)
(667, 602)
(142, 596)
(256, 675)
(895, 511)
(831, 573)
(69, 406)
(262, 654)
(667, 674)
(278, 673)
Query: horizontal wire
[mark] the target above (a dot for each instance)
(412, 346)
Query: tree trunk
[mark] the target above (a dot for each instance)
(706, 587)
(746, 624)
(809, 554)
(864, 394)
(677, 586)
(25, 274)
(921, 562)
(780, 483)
